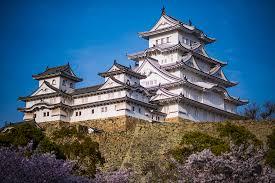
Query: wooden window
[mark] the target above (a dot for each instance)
(184, 40)
(128, 82)
(133, 108)
(196, 112)
(44, 114)
(79, 113)
(93, 111)
(53, 82)
(103, 109)
(76, 113)
(48, 113)
(167, 40)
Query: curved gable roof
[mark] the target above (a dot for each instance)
(64, 70)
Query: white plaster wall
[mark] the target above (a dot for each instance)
(51, 100)
(154, 77)
(105, 111)
(166, 58)
(189, 112)
(204, 66)
(182, 35)
(41, 118)
(173, 38)
(214, 99)
(99, 97)
(191, 76)
(59, 83)
(177, 73)
(137, 96)
(230, 107)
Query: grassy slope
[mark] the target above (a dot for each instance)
(149, 142)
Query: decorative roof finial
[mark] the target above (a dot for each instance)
(163, 11)
(115, 61)
(190, 23)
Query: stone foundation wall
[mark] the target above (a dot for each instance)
(128, 142)
(114, 124)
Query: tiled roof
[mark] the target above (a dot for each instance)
(170, 47)
(178, 25)
(86, 89)
(64, 70)
(57, 92)
(122, 69)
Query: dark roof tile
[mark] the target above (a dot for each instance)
(86, 89)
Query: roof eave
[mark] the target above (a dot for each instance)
(40, 77)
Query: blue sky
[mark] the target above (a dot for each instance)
(91, 34)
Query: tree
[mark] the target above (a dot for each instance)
(240, 165)
(252, 111)
(269, 111)
(15, 167)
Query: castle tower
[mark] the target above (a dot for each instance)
(51, 100)
(188, 82)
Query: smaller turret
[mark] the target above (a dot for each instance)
(61, 77)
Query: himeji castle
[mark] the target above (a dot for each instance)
(173, 78)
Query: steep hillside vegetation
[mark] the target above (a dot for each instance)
(145, 142)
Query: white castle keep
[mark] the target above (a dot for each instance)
(173, 78)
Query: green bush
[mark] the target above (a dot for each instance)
(82, 148)
(193, 142)
(47, 146)
(21, 135)
(86, 152)
(66, 132)
(270, 157)
(238, 134)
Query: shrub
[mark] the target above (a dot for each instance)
(120, 176)
(195, 142)
(16, 167)
(21, 135)
(66, 132)
(238, 134)
(241, 164)
(47, 146)
(82, 149)
(270, 157)
(87, 154)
